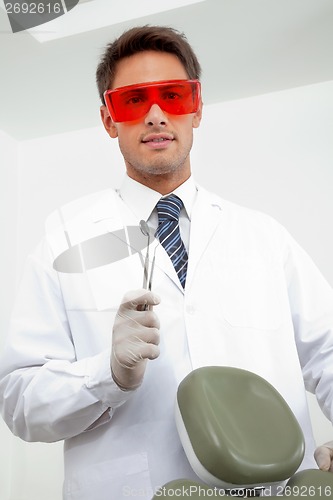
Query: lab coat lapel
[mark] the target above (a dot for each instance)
(164, 264)
(206, 215)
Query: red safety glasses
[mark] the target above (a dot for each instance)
(177, 97)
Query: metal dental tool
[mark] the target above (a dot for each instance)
(145, 230)
(147, 278)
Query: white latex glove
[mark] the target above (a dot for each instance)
(324, 456)
(135, 338)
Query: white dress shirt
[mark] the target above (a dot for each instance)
(142, 200)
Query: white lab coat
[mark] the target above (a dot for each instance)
(253, 300)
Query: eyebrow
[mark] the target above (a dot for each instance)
(133, 91)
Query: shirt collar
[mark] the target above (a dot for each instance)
(141, 200)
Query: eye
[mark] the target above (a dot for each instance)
(134, 100)
(171, 96)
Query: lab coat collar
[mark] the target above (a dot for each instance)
(141, 200)
(187, 192)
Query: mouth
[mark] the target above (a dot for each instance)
(158, 141)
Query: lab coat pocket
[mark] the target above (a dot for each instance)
(111, 480)
(251, 295)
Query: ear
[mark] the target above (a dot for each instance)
(197, 116)
(109, 125)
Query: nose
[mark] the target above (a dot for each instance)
(155, 116)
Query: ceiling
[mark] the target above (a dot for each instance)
(246, 48)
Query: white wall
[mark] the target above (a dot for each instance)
(8, 225)
(271, 152)
(8, 230)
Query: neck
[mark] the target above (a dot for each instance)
(163, 184)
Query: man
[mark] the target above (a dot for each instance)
(93, 358)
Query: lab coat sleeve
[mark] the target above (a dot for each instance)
(311, 301)
(45, 393)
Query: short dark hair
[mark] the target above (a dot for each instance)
(139, 39)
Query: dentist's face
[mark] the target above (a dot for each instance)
(158, 144)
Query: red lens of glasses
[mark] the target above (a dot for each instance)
(176, 97)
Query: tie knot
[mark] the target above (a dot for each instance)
(169, 208)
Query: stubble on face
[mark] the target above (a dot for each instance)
(159, 163)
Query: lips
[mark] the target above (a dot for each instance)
(157, 139)
(160, 139)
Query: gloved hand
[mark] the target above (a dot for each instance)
(135, 338)
(324, 456)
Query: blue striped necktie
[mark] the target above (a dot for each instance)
(168, 233)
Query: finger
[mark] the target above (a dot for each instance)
(148, 319)
(149, 336)
(136, 352)
(137, 319)
(137, 338)
(323, 456)
(138, 298)
(146, 351)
